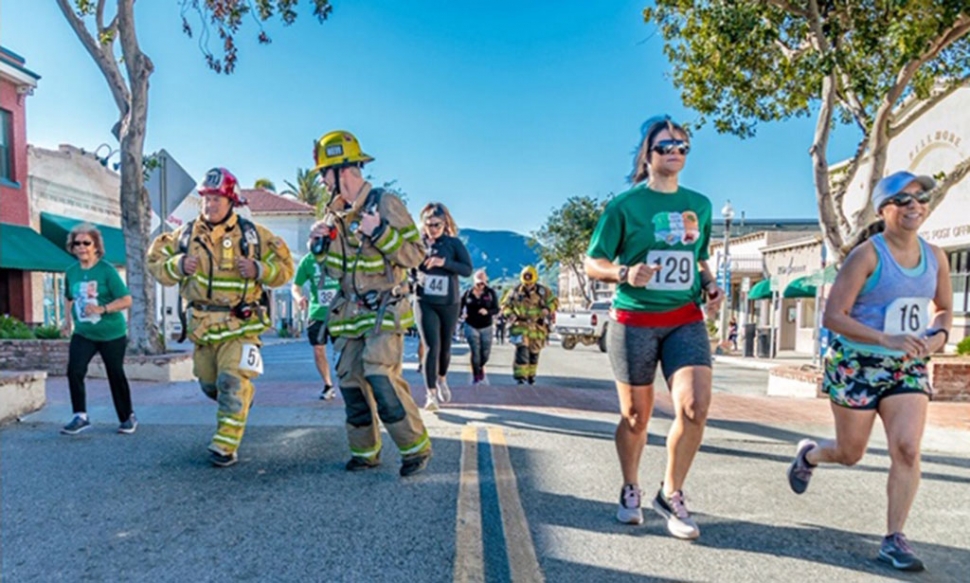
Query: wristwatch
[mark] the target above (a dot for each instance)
(622, 273)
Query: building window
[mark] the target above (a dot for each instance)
(6, 145)
(960, 276)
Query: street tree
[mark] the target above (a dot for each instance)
(265, 184)
(108, 33)
(564, 238)
(308, 189)
(847, 62)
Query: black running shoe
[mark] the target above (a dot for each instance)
(77, 425)
(896, 551)
(414, 464)
(359, 464)
(222, 460)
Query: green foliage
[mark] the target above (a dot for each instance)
(265, 184)
(47, 332)
(748, 61)
(226, 18)
(963, 348)
(308, 189)
(565, 236)
(13, 329)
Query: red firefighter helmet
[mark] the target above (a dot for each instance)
(222, 182)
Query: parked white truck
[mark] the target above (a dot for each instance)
(585, 326)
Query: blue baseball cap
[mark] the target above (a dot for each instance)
(893, 184)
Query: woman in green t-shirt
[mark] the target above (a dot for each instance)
(95, 296)
(652, 241)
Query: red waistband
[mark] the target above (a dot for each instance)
(687, 314)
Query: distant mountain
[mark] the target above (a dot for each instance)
(503, 254)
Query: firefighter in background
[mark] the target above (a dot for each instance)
(223, 263)
(529, 309)
(369, 243)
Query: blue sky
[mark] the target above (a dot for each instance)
(501, 110)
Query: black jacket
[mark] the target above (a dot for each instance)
(471, 305)
(439, 285)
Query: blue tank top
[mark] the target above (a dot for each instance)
(896, 300)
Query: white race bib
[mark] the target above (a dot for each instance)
(676, 271)
(907, 316)
(251, 359)
(325, 296)
(436, 285)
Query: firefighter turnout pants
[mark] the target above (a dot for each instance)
(373, 387)
(218, 368)
(526, 363)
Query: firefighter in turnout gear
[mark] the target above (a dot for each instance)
(223, 263)
(529, 308)
(372, 243)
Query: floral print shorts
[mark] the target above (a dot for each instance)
(859, 380)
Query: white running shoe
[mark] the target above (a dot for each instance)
(444, 390)
(629, 511)
(674, 511)
(432, 403)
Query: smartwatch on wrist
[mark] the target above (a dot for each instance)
(622, 273)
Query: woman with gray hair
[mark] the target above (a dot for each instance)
(95, 296)
(480, 305)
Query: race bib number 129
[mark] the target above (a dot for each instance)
(907, 316)
(676, 270)
(251, 359)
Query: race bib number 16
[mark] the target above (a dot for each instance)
(676, 270)
(251, 359)
(907, 316)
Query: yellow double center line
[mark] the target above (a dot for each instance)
(469, 546)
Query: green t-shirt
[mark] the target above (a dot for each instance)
(669, 229)
(99, 285)
(309, 270)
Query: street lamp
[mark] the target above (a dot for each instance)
(728, 213)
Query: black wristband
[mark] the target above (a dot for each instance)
(935, 331)
(706, 279)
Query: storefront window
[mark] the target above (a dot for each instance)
(960, 276)
(6, 145)
(808, 314)
(53, 299)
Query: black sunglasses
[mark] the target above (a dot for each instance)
(434, 224)
(904, 198)
(666, 147)
(85, 243)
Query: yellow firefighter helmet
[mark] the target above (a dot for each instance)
(338, 148)
(529, 274)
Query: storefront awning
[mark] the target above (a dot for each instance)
(24, 249)
(55, 228)
(807, 286)
(760, 290)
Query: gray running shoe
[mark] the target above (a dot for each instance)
(896, 551)
(629, 511)
(431, 404)
(800, 471)
(444, 391)
(674, 511)
(128, 427)
(77, 425)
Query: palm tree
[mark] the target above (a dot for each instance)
(308, 189)
(265, 184)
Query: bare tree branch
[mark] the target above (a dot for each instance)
(924, 107)
(103, 58)
(99, 15)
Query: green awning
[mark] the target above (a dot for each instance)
(24, 249)
(56, 227)
(807, 286)
(760, 290)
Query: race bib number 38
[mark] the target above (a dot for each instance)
(251, 359)
(676, 270)
(907, 316)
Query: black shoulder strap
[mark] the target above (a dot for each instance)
(185, 236)
(250, 236)
(373, 199)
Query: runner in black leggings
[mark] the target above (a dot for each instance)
(438, 297)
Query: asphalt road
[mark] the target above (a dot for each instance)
(505, 480)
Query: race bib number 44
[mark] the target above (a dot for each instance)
(436, 285)
(907, 316)
(251, 359)
(676, 270)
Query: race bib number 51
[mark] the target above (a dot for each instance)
(907, 316)
(251, 359)
(676, 270)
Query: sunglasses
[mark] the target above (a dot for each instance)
(83, 243)
(666, 147)
(434, 224)
(904, 198)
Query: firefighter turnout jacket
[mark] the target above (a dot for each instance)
(523, 306)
